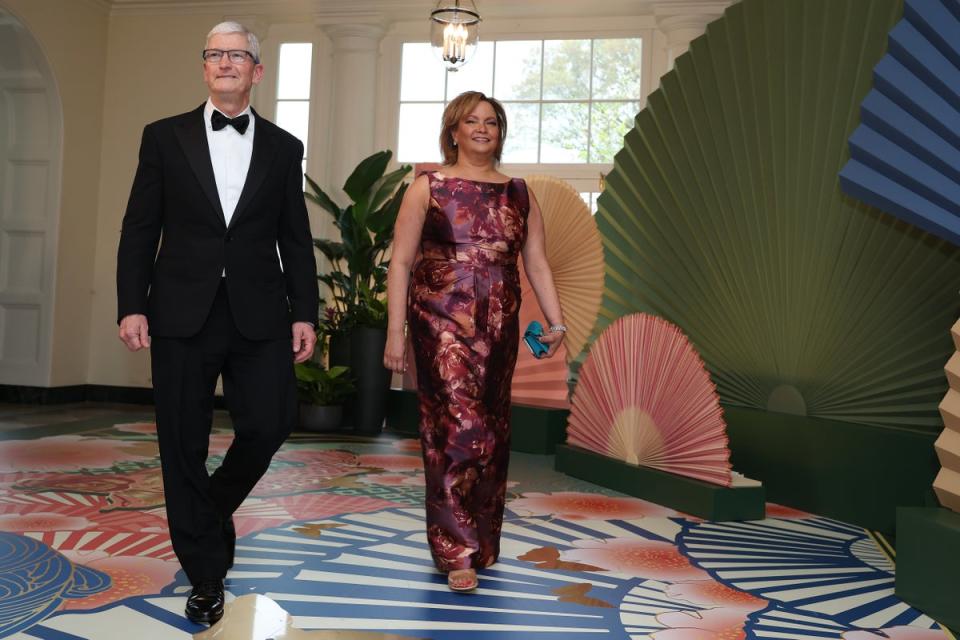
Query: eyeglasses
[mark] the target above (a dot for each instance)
(237, 56)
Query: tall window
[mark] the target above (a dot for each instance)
(293, 90)
(567, 101)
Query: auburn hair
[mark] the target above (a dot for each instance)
(458, 109)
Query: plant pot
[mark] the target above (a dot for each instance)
(372, 379)
(339, 349)
(315, 417)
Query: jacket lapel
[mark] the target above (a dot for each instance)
(264, 150)
(192, 134)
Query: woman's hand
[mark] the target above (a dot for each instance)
(394, 354)
(553, 339)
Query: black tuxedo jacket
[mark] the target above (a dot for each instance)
(174, 196)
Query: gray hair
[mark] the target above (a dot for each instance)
(235, 27)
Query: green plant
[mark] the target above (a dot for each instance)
(358, 264)
(320, 386)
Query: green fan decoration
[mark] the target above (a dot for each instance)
(723, 215)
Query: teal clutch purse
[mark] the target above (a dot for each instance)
(531, 338)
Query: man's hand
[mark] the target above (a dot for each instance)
(134, 332)
(304, 339)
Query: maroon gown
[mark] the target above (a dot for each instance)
(464, 327)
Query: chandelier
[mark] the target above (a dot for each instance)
(454, 32)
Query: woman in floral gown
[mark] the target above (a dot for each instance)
(469, 224)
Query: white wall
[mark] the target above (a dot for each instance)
(118, 72)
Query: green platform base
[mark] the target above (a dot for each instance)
(536, 429)
(856, 473)
(695, 497)
(928, 562)
(532, 429)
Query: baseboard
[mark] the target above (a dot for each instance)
(19, 394)
(695, 497)
(532, 429)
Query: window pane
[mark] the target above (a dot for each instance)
(523, 132)
(518, 70)
(421, 74)
(566, 69)
(616, 69)
(419, 132)
(611, 121)
(590, 199)
(294, 116)
(476, 75)
(293, 73)
(564, 132)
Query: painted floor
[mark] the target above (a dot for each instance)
(331, 545)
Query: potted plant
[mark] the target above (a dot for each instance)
(322, 392)
(357, 280)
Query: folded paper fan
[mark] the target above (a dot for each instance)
(645, 397)
(543, 382)
(575, 254)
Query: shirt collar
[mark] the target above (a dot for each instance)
(208, 110)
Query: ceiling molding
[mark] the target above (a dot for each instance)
(406, 9)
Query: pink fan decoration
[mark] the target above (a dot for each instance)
(645, 397)
(538, 383)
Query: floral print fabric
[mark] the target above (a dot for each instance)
(464, 327)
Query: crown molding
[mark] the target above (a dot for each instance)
(393, 9)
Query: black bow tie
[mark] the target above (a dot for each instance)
(219, 121)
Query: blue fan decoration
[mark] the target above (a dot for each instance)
(905, 156)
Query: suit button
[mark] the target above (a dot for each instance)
(227, 238)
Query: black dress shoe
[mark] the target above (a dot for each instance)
(205, 604)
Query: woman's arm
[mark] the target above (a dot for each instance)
(406, 240)
(540, 276)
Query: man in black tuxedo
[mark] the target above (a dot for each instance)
(232, 292)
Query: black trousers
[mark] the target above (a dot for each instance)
(260, 393)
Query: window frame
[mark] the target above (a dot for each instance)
(583, 176)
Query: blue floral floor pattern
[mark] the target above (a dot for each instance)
(334, 537)
(373, 572)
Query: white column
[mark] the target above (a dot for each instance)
(680, 23)
(355, 53)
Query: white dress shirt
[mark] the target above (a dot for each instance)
(230, 154)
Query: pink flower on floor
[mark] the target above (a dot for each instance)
(391, 462)
(42, 521)
(571, 505)
(709, 624)
(219, 443)
(713, 593)
(71, 453)
(895, 633)
(409, 444)
(780, 511)
(324, 505)
(393, 479)
(130, 576)
(334, 458)
(145, 428)
(636, 556)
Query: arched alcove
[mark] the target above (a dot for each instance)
(30, 167)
